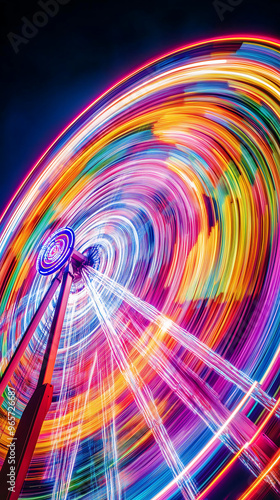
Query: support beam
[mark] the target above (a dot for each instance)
(46, 373)
(78, 257)
(37, 408)
(24, 442)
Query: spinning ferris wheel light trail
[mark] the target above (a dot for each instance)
(139, 285)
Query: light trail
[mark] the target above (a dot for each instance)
(62, 464)
(244, 447)
(206, 405)
(173, 176)
(143, 396)
(187, 340)
(113, 483)
(251, 490)
(208, 445)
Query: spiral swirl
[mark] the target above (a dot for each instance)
(56, 251)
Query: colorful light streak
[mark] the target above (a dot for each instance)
(172, 176)
(237, 455)
(143, 397)
(208, 445)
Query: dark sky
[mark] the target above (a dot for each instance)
(86, 47)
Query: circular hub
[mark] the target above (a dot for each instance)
(56, 251)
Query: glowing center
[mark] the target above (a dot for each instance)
(56, 251)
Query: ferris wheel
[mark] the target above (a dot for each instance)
(139, 282)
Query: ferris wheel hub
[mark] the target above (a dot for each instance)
(56, 251)
(93, 256)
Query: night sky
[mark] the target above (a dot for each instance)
(84, 49)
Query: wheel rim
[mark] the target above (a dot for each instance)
(172, 176)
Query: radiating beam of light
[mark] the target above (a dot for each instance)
(233, 460)
(142, 395)
(206, 406)
(63, 461)
(187, 340)
(106, 374)
(202, 452)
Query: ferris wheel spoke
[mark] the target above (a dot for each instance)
(201, 400)
(213, 360)
(107, 388)
(142, 395)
